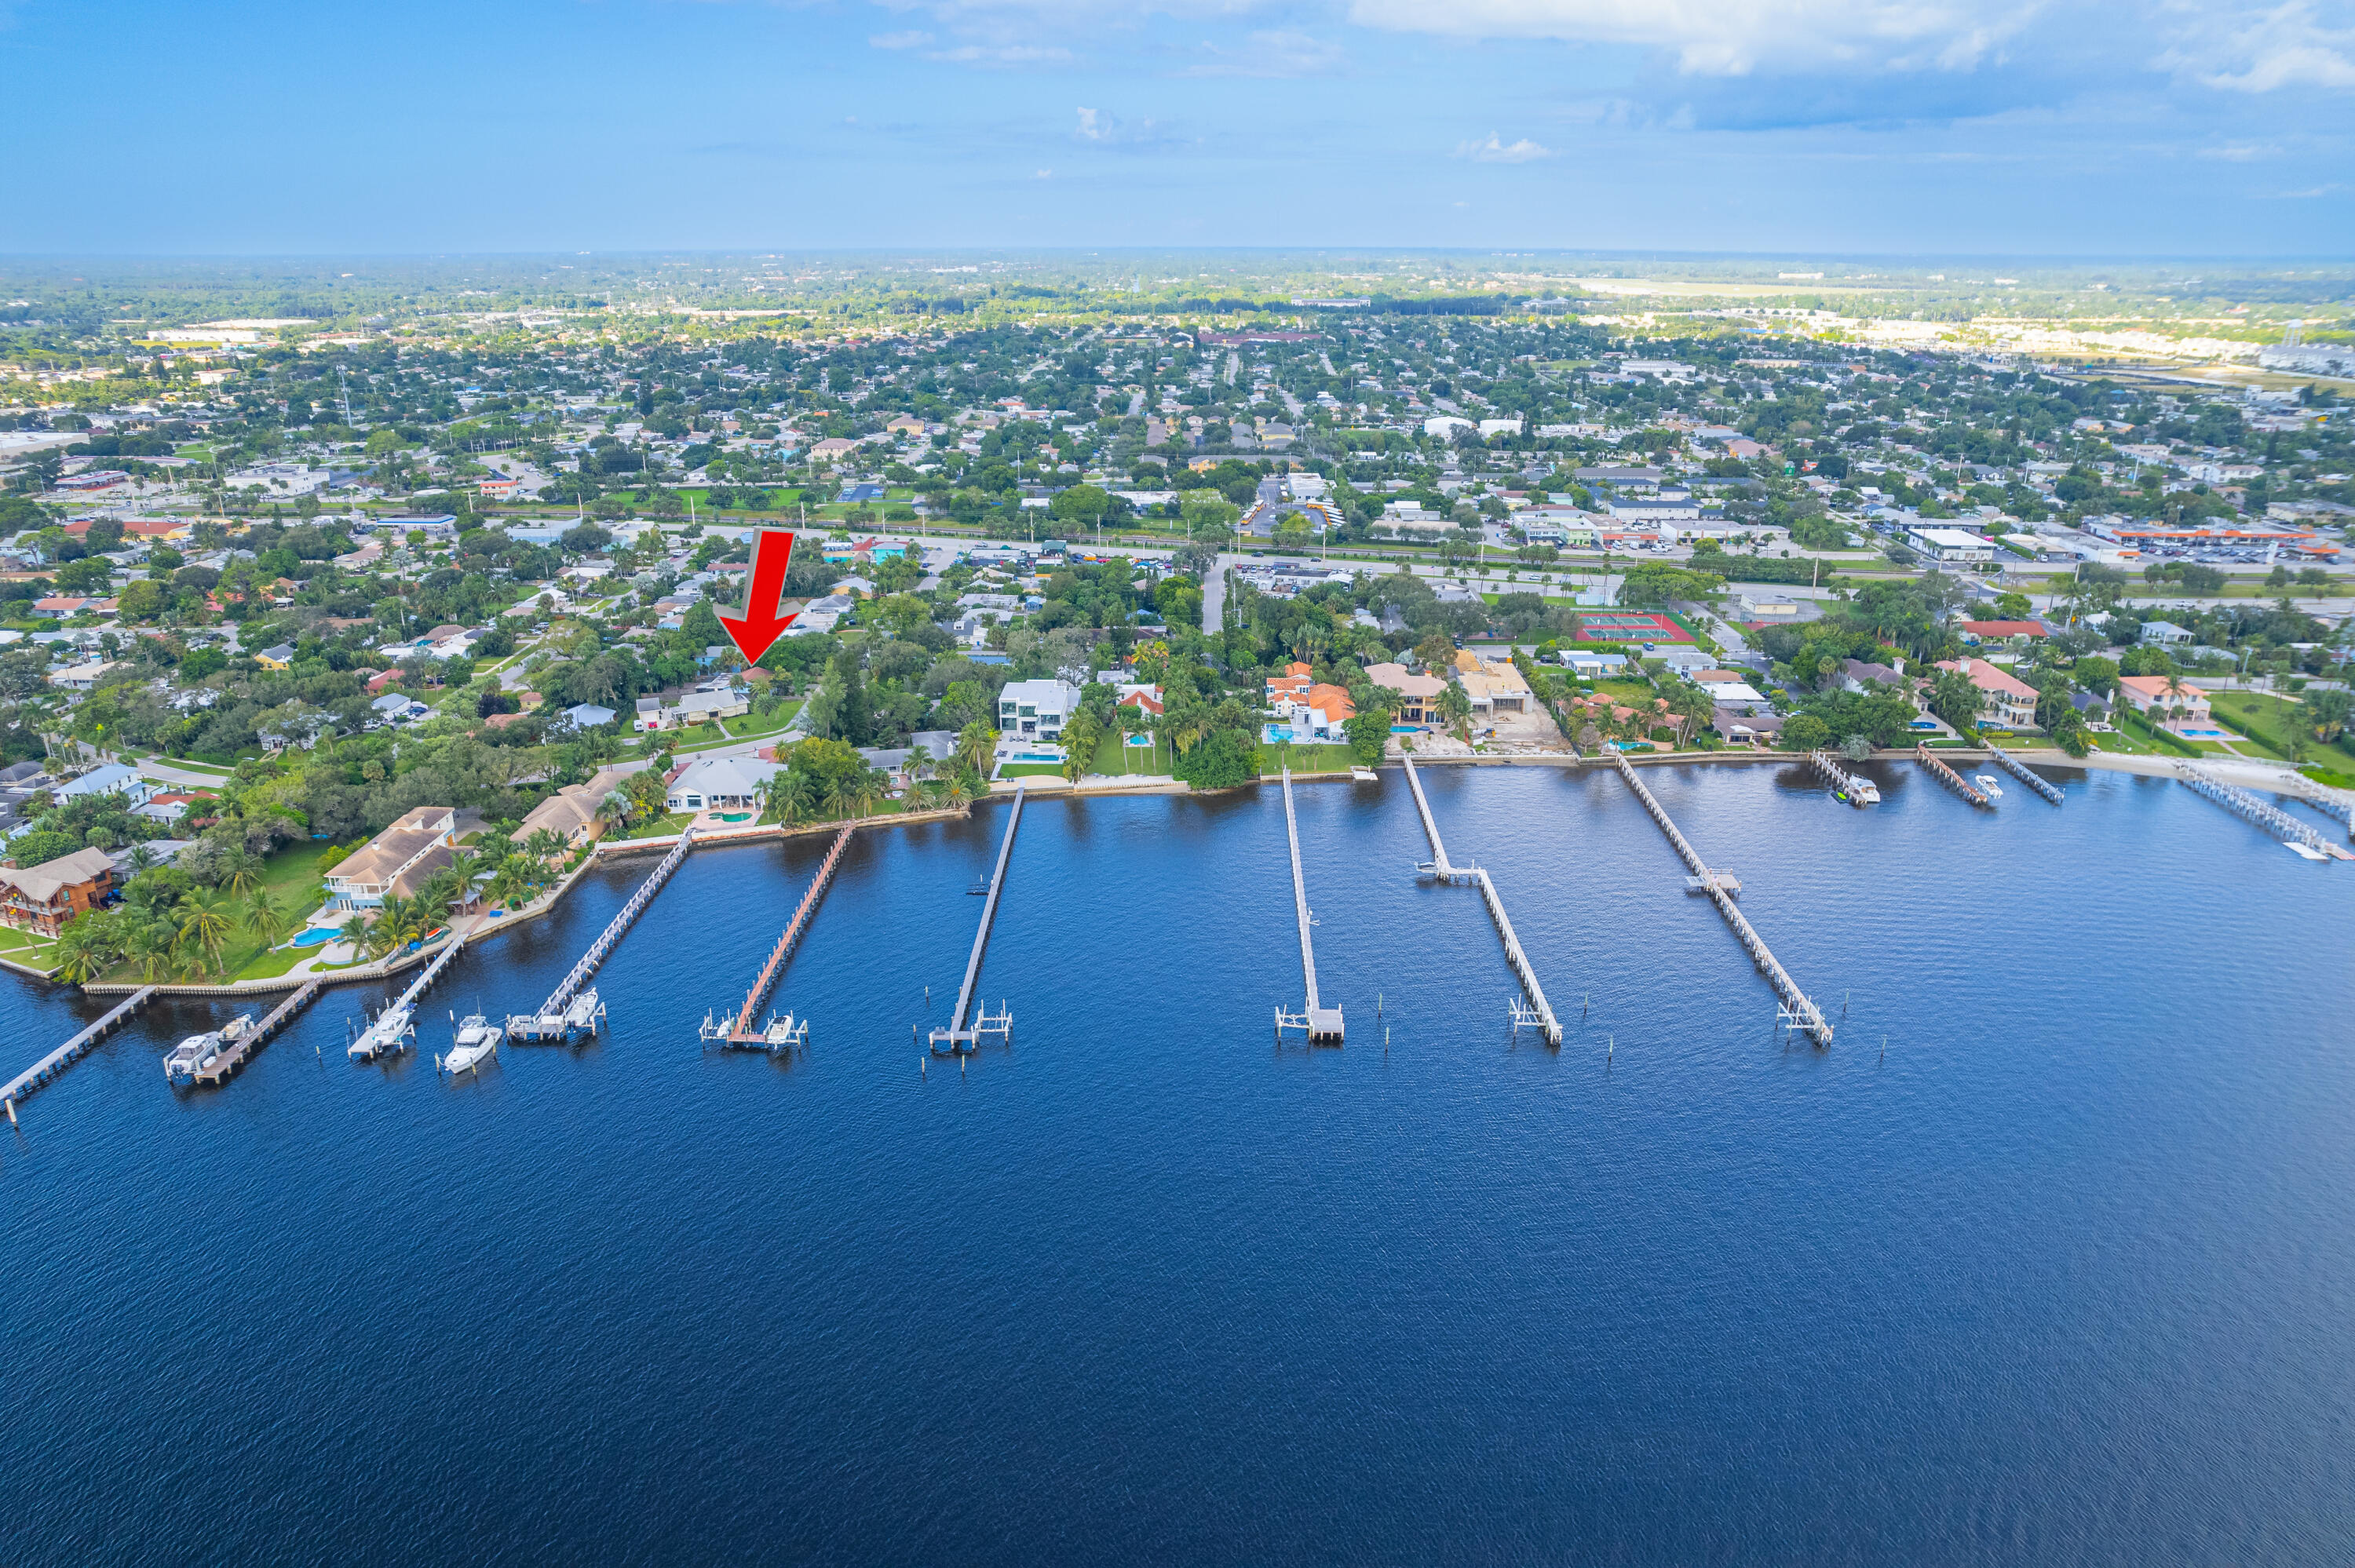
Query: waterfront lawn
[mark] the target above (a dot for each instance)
(1030, 770)
(659, 827)
(24, 947)
(1304, 757)
(2270, 722)
(292, 879)
(1114, 758)
(2132, 724)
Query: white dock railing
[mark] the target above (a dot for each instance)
(1549, 1025)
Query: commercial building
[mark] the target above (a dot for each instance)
(1953, 545)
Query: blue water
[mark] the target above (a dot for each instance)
(2063, 1278)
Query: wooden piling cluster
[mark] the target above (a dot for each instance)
(1802, 1013)
(42, 1072)
(743, 1033)
(227, 1065)
(1548, 1025)
(1952, 779)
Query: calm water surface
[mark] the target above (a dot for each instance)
(2066, 1277)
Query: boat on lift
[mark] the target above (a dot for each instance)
(478, 1042)
(198, 1052)
(394, 1029)
(1988, 785)
(1364, 776)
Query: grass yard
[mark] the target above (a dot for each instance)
(1115, 758)
(752, 726)
(1030, 770)
(658, 828)
(1304, 758)
(24, 947)
(2269, 721)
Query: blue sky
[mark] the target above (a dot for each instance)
(1931, 127)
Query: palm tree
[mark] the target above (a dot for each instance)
(244, 875)
(976, 744)
(464, 866)
(1456, 708)
(141, 858)
(203, 927)
(80, 955)
(355, 931)
(615, 807)
(544, 845)
(957, 792)
(149, 949)
(265, 917)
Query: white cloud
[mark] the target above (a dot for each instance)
(1001, 54)
(901, 40)
(1094, 125)
(1496, 150)
(2244, 48)
(1277, 53)
(1044, 175)
(1732, 38)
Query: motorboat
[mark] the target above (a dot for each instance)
(1987, 785)
(200, 1052)
(1364, 776)
(478, 1042)
(192, 1055)
(393, 1030)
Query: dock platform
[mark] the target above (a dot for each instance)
(1796, 1009)
(957, 1039)
(1322, 1024)
(1952, 779)
(1539, 1011)
(559, 1003)
(226, 1066)
(785, 1032)
(45, 1071)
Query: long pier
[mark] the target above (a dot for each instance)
(742, 1033)
(42, 1072)
(2021, 770)
(558, 999)
(956, 1037)
(226, 1066)
(424, 981)
(1798, 1010)
(1857, 792)
(2334, 803)
(1321, 1023)
(1539, 1011)
(1952, 779)
(2241, 803)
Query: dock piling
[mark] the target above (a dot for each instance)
(956, 1038)
(46, 1069)
(1539, 1013)
(786, 1032)
(550, 1020)
(1950, 778)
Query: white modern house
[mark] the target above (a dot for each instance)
(1036, 710)
(718, 784)
(113, 779)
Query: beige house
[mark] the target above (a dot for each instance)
(1418, 695)
(396, 861)
(1493, 686)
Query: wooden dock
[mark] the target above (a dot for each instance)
(1797, 1011)
(558, 999)
(1845, 786)
(1539, 1011)
(2021, 770)
(227, 1065)
(41, 1073)
(742, 1033)
(957, 1038)
(1322, 1024)
(2241, 803)
(1950, 778)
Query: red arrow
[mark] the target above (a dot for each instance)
(772, 551)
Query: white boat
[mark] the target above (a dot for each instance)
(198, 1052)
(192, 1055)
(478, 1042)
(393, 1029)
(1988, 785)
(1365, 776)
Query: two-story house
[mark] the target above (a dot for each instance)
(42, 898)
(396, 861)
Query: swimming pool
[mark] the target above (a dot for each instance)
(1038, 756)
(313, 937)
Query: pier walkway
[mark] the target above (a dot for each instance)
(1321, 1023)
(1539, 1011)
(1952, 779)
(2241, 803)
(956, 1038)
(2019, 770)
(1797, 1009)
(42, 1072)
(741, 1031)
(226, 1066)
(559, 999)
(424, 981)
(1845, 786)
(2334, 803)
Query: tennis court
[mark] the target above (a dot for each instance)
(1628, 626)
